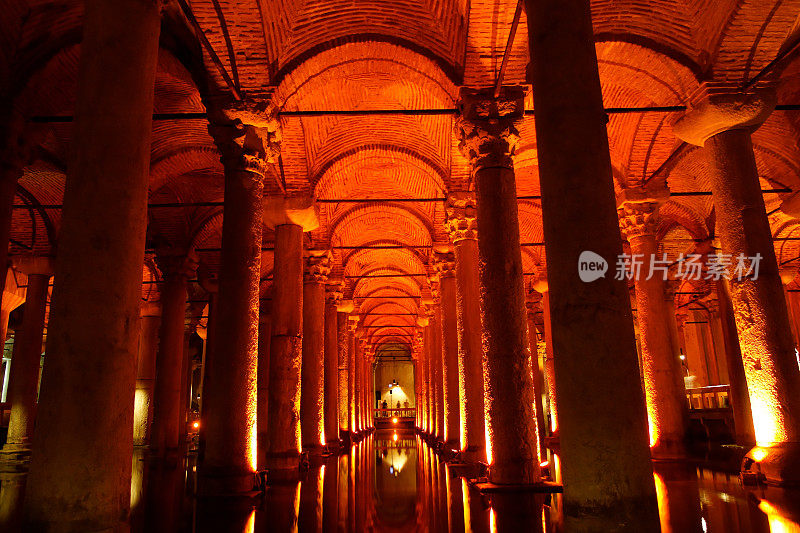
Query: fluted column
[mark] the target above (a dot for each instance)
(667, 411)
(462, 227)
(609, 476)
(446, 268)
(146, 373)
(487, 131)
(721, 120)
(343, 336)
(177, 267)
(312, 393)
(333, 297)
(25, 361)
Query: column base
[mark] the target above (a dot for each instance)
(15, 457)
(213, 481)
(777, 465)
(467, 470)
(546, 487)
(282, 466)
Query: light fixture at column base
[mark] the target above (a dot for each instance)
(777, 465)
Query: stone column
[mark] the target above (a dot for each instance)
(446, 268)
(177, 267)
(608, 479)
(667, 411)
(343, 336)
(25, 362)
(488, 136)
(423, 322)
(356, 374)
(146, 372)
(418, 348)
(231, 375)
(721, 120)
(532, 305)
(438, 374)
(80, 470)
(549, 360)
(462, 227)
(312, 387)
(262, 379)
(333, 296)
(283, 452)
(352, 324)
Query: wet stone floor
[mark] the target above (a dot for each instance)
(393, 482)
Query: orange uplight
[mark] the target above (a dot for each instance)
(394, 437)
(488, 443)
(758, 454)
(544, 464)
(196, 425)
(394, 420)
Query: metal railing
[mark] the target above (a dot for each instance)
(403, 412)
(711, 397)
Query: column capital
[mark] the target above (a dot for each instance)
(461, 216)
(150, 309)
(717, 107)
(345, 306)
(301, 211)
(638, 210)
(34, 264)
(334, 291)
(444, 264)
(352, 322)
(176, 262)
(316, 266)
(247, 132)
(487, 128)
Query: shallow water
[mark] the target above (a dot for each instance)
(393, 482)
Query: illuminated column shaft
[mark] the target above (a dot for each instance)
(331, 362)
(177, 268)
(489, 143)
(721, 121)
(549, 364)
(608, 476)
(667, 412)
(438, 374)
(445, 266)
(352, 323)
(344, 346)
(231, 381)
(358, 359)
(430, 385)
(286, 350)
(262, 380)
(312, 374)
(146, 373)
(538, 374)
(463, 230)
(80, 471)
(25, 362)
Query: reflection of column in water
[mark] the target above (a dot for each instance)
(137, 488)
(455, 502)
(359, 465)
(678, 498)
(343, 505)
(476, 515)
(311, 494)
(351, 488)
(441, 492)
(164, 486)
(330, 495)
(281, 508)
(517, 511)
(12, 489)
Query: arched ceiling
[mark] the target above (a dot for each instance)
(370, 171)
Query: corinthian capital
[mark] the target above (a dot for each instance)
(638, 210)
(461, 216)
(487, 129)
(176, 262)
(247, 134)
(444, 264)
(317, 266)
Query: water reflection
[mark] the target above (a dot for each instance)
(393, 481)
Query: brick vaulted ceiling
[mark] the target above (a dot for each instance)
(396, 54)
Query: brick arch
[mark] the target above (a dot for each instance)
(384, 222)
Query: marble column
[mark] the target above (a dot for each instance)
(177, 267)
(352, 325)
(358, 359)
(283, 452)
(462, 227)
(262, 380)
(487, 130)
(446, 268)
(26, 359)
(146, 372)
(333, 296)
(230, 387)
(668, 415)
(312, 373)
(549, 360)
(438, 374)
(721, 119)
(532, 306)
(608, 479)
(343, 335)
(81, 466)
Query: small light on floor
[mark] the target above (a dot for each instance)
(544, 464)
(394, 420)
